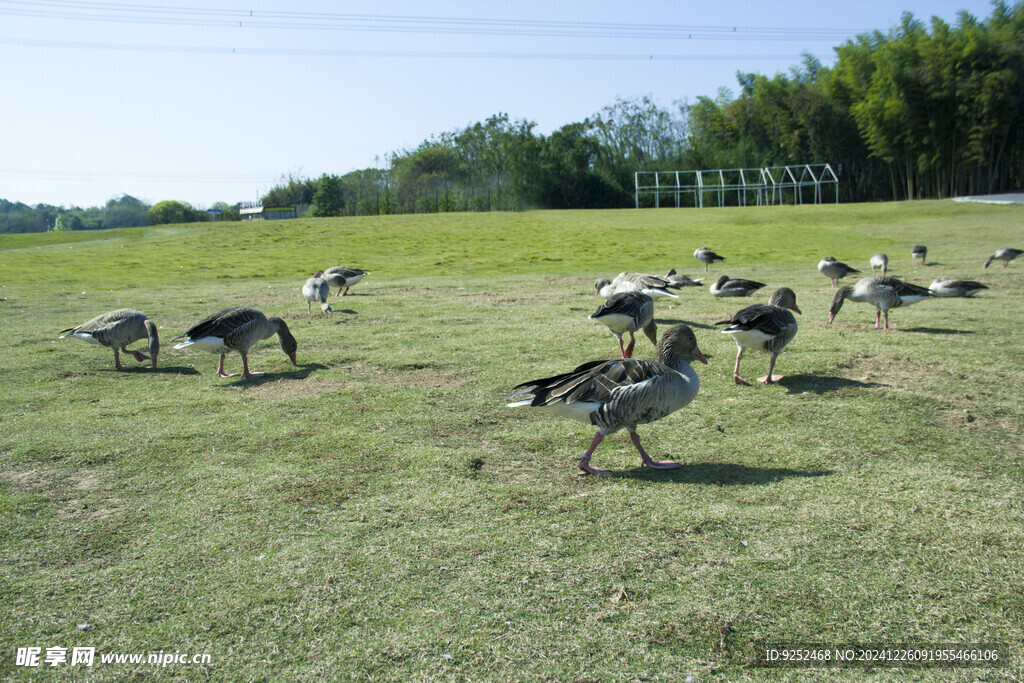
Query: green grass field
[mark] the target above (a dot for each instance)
(377, 513)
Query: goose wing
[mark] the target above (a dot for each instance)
(771, 320)
(594, 382)
(229, 324)
(108, 328)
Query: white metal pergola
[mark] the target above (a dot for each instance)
(751, 186)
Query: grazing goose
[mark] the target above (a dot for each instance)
(948, 287)
(727, 287)
(237, 329)
(117, 329)
(316, 289)
(676, 280)
(340, 276)
(882, 292)
(651, 285)
(765, 328)
(707, 257)
(1006, 254)
(919, 250)
(879, 261)
(621, 393)
(628, 312)
(834, 270)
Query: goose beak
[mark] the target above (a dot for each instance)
(797, 309)
(697, 355)
(153, 359)
(831, 317)
(291, 357)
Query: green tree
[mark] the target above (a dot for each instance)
(328, 199)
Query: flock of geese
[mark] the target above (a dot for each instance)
(625, 392)
(229, 329)
(609, 394)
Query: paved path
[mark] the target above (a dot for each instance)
(1011, 198)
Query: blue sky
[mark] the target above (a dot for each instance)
(205, 103)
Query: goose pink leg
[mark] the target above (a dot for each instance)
(648, 460)
(770, 378)
(220, 369)
(584, 462)
(736, 373)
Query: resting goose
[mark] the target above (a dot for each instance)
(725, 286)
(879, 261)
(237, 329)
(676, 280)
(765, 328)
(919, 250)
(707, 257)
(117, 329)
(651, 285)
(341, 276)
(316, 289)
(628, 312)
(834, 270)
(621, 393)
(1006, 254)
(882, 292)
(948, 287)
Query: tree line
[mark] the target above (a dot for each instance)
(924, 110)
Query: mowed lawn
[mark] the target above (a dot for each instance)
(377, 513)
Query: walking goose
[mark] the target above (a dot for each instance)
(879, 261)
(628, 312)
(765, 328)
(651, 285)
(237, 329)
(707, 257)
(834, 270)
(725, 286)
(316, 289)
(341, 276)
(117, 329)
(621, 393)
(948, 287)
(882, 292)
(1006, 254)
(919, 250)
(677, 280)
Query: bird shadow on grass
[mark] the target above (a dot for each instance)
(936, 330)
(720, 474)
(160, 370)
(672, 321)
(819, 384)
(301, 372)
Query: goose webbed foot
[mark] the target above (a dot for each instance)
(648, 461)
(770, 379)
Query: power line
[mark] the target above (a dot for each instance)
(332, 21)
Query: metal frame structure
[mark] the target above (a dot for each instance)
(758, 186)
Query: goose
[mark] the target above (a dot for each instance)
(1006, 254)
(764, 327)
(651, 285)
(948, 287)
(879, 261)
(316, 289)
(882, 292)
(341, 276)
(919, 250)
(707, 257)
(628, 312)
(725, 286)
(834, 270)
(621, 393)
(677, 280)
(117, 329)
(237, 329)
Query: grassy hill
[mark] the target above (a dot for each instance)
(377, 513)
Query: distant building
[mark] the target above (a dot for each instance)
(255, 211)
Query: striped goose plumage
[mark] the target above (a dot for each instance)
(343, 277)
(628, 312)
(117, 329)
(651, 285)
(237, 329)
(621, 393)
(765, 328)
(726, 286)
(949, 287)
(316, 289)
(707, 257)
(834, 270)
(1006, 255)
(881, 292)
